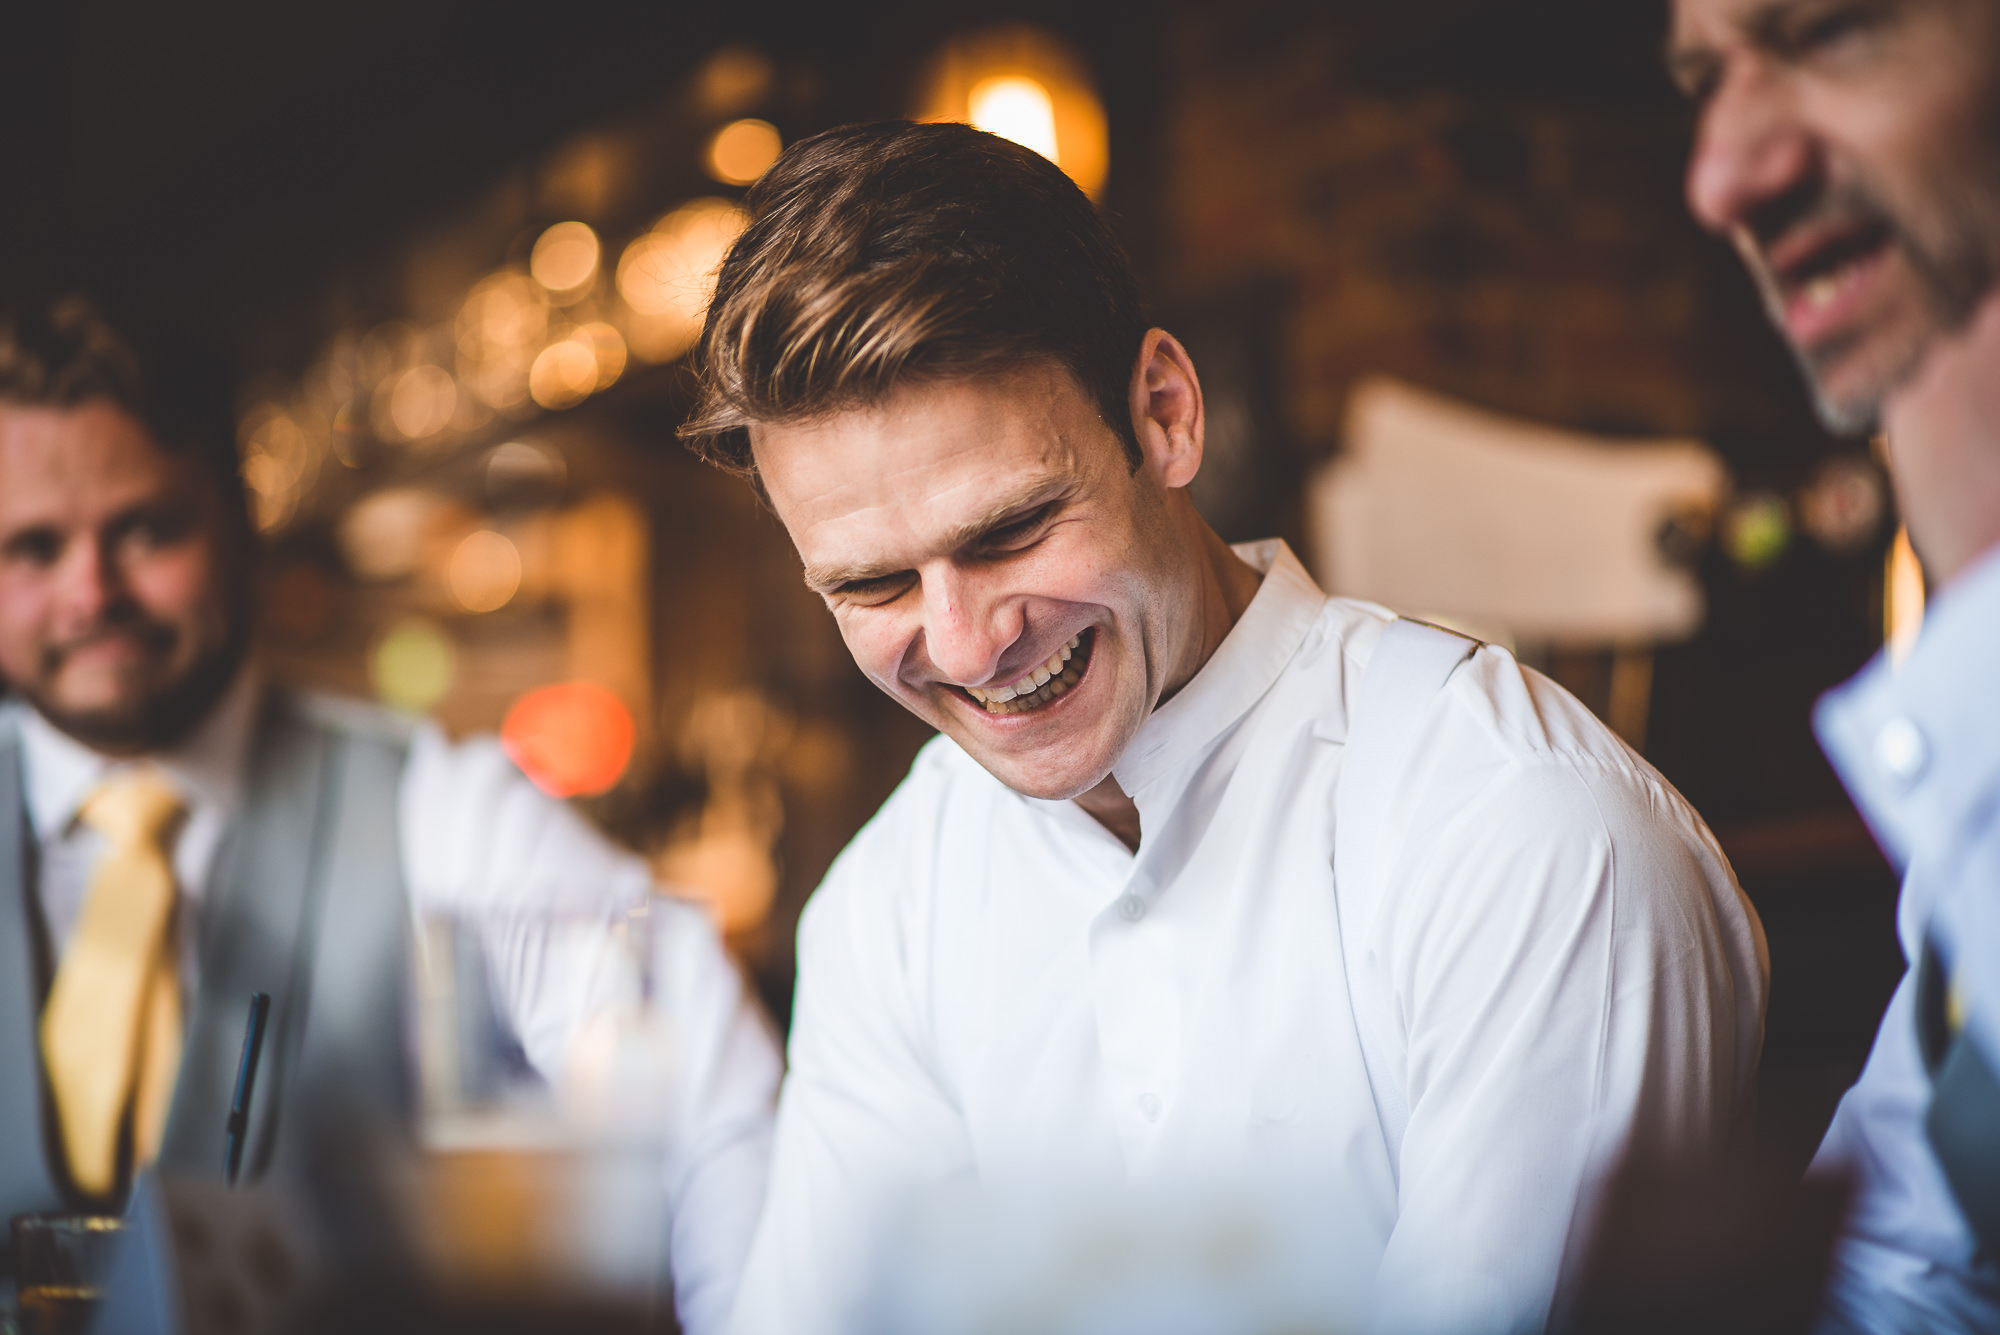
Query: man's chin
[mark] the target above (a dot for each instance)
(134, 717)
(1052, 778)
(1851, 380)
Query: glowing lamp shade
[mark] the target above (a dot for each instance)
(1027, 85)
(1015, 107)
(573, 738)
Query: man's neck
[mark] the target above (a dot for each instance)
(1944, 448)
(1227, 584)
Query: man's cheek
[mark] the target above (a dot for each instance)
(21, 632)
(20, 655)
(870, 653)
(180, 588)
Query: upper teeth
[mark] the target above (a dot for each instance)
(1821, 290)
(1036, 677)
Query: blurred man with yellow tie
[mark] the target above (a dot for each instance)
(176, 835)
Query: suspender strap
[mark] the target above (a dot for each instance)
(1410, 665)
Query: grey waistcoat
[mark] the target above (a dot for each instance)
(306, 902)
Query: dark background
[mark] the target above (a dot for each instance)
(1479, 196)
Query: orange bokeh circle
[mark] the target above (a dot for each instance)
(573, 738)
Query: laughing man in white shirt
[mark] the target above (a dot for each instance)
(1122, 922)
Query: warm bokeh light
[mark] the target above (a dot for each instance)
(422, 401)
(1015, 107)
(277, 456)
(573, 738)
(1902, 597)
(505, 312)
(607, 347)
(485, 571)
(383, 351)
(412, 665)
(565, 258)
(732, 79)
(502, 325)
(383, 536)
(726, 867)
(564, 375)
(666, 275)
(741, 151)
(518, 466)
(1026, 85)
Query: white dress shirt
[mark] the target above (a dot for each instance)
(480, 841)
(992, 986)
(1919, 748)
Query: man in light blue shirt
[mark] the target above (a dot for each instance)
(1850, 150)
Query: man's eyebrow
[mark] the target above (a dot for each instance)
(825, 579)
(1030, 494)
(1690, 64)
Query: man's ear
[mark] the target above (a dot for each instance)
(1166, 409)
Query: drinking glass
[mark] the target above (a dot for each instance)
(61, 1264)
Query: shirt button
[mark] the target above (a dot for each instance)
(1901, 751)
(1132, 908)
(1149, 1107)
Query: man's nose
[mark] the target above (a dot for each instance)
(966, 628)
(91, 580)
(1750, 150)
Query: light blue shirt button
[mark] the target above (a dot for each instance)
(1901, 751)
(1149, 1107)
(1132, 908)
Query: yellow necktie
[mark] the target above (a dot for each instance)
(111, 1032)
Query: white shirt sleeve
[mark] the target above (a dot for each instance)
(1569, 992)
(863, 1118)
(545, 888)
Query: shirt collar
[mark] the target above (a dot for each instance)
(1918, 745)
(1244, 666)
(60, 773)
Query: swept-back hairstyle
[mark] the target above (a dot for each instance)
(882, 254)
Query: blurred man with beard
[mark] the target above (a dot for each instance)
(1850, 150)
(176, 834)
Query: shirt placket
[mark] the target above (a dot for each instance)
(1138, 1015)
(1135, 968)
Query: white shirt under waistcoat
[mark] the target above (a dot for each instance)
(1561, 966)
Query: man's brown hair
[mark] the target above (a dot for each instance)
(64, 354)
(880, 254)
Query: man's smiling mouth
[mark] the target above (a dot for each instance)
(1045, 682)
(1816, 277)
